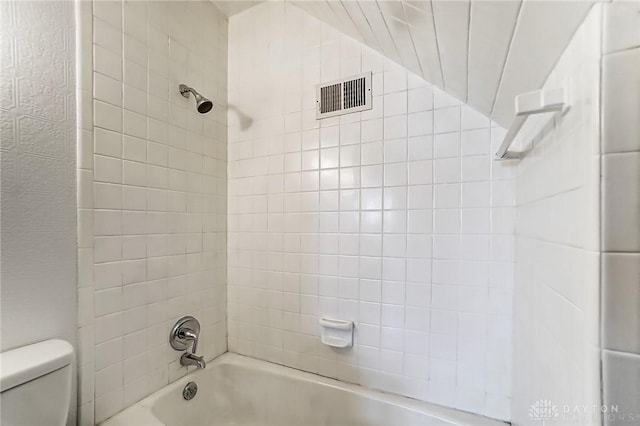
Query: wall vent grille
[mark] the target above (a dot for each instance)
(344, 96)
(330, 98)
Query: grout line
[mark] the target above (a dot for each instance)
(626, 49)
(459, 235)
(433, 227)
(601, 212)
(406, 219)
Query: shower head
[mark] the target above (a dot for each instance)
(203, 105)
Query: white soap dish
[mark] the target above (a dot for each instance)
(337, 333)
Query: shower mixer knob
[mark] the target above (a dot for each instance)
(185, 331)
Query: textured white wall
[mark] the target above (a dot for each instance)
(37, 168)
(152, 195)
(556, 308)
(395, 218)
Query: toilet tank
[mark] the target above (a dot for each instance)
(35, 384)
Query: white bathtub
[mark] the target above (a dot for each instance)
(236, 390)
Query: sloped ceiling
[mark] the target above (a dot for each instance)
(231, 7)
(484, 52)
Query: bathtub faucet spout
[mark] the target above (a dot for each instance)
(187, 359)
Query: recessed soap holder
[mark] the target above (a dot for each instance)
(337, 333)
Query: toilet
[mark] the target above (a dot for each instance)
(35, 384)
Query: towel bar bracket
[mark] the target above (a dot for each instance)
(527, 104)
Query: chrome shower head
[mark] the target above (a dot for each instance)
(203, 105)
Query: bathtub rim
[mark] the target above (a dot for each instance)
(141, 414)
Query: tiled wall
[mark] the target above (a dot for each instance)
(37, 166)
(621, 211)
(152, 194)
(556, 308)
(395, 218)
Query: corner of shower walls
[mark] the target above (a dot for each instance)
(620, 206)
(151, 176)
(84, 149)
(387, 217)
(557, 298)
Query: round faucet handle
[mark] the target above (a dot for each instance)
(185, 331)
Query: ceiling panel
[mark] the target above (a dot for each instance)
(491, 29)
(231, 7)
(355, 13)
(422, 28)
(378, 26)
(452, 34)
(484, 52)
(345, 23)
(542, 33)
(399, 31)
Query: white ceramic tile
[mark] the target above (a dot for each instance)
(475, 142)
(395, 80)
(472, 119)
(446, 170)
(107, 36)
(420, 123)
(395, 104)
(447, 120)
(395, 127)
(476, 168)
(620, 109)
(108, 143)
(394, 174)
(420, 99)
(110, 12)
(107, 222)
(107, 62)
(107, 169)
(108, 405)
(620, 386)
(135, 75)
(446, 145)
(135, 100)
(621, 291)
(419, 197)
(107, 116)
(107, 89)
(621, 23)
(134, 124)
(621, 202)
(108, 353)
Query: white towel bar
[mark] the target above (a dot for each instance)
(536, 102)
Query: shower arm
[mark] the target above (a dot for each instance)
(185, 90)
